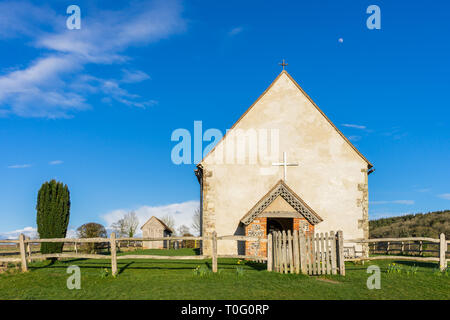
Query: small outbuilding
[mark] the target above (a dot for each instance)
(155, 228)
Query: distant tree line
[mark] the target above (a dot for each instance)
(430, 224)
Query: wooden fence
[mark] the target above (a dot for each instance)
(308, 254)
(291, 252)
(421, 248)
(26, 255)
(389, 243)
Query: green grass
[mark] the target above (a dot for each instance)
(166, 279)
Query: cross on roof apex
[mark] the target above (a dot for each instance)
(283, 64)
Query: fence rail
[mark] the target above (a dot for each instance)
(394, 239)
(26, 255)
(291, 252)
(442, 251)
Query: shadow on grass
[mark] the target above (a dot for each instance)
(122, 269)
(145, 264)
(256, 265)
(421, 264)
(384, 264)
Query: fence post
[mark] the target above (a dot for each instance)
(275, 252)
(327, 253)
(340, 252)
(442, 250)
(333, 253)
(214, 251)
(290, 255)
(302, 251)
(28, 249)
(309, 253)
(322, 253)
(278, 249)
(284, 253)
(318, 254)
(296, 249)
(313, 253)
(421, 248)
(23, 257)
(112, 242)
(269, 253)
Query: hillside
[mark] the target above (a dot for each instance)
(430, 224)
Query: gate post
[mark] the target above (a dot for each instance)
(296, 249)
(214, 251)
(23, 257)
(333, 253)
(303, 252)
(28, 249)
(269, 253)
(340, 252)
(113, 254)
(442, 250)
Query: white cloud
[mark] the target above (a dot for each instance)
(72, 233)
(396, 133)
(20, 18)
(32, 233)
(355, 126)
(19, 166)
(55, 162)
(27, 231)
(406, 202)
(235, 31)
(445, 196)
(51, 85)
(112, 90)
(134, 76)
(181, 212)
(378, 215)
(354, 138)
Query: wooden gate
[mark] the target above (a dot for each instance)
(296, 252)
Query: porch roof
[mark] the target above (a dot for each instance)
(282, 189)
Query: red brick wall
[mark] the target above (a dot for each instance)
(257, 227)
(302, 221)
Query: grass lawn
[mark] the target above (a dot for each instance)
(166, 279)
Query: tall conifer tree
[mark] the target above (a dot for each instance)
(53, 212)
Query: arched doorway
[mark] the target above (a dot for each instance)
(279, 224)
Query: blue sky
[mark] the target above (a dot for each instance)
(96, 107)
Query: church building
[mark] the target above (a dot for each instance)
(283, 166)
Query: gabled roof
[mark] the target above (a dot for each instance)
(281, 189)
(369, 165)
(160, 221)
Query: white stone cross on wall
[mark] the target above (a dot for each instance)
(285, 164)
